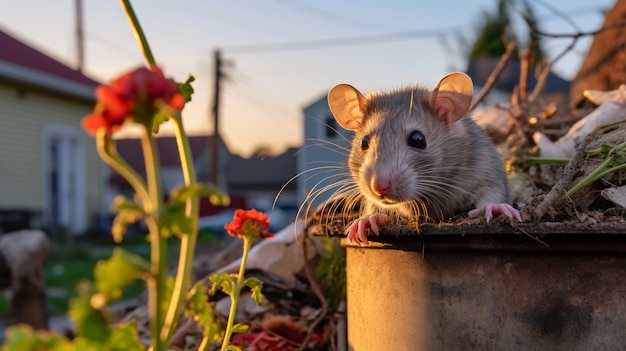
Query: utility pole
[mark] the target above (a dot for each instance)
(217, 63)
(80, 38)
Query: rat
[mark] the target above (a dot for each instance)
(416, 155)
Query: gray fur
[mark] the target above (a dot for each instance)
(451, 176)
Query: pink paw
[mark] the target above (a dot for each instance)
(357, 231)
(491, 210)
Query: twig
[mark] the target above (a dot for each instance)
(567, 176)
(523, 80)
(543, 76)
(557, 12)
(494, 75)
(580, 33)
(513, 224)
(541, 80)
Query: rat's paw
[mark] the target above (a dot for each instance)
(491, 210)
(357, 231)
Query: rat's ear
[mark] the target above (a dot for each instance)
(348, 106)
(452, 97)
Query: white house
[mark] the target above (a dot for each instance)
(322, 162)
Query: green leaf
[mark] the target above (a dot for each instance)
(125, 338)
(174, 221)
(332, 268)
(232, 348)
(114, 274)
(186, 89)
(127, 212)
(159, 118)
(180, 194)
(198, 307)
(255, 286)
(240, 328)
(84, 344)
(226, 281)
(23, 338)
(91, 321)
(121, 203)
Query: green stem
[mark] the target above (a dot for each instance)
(108, 153)
(590, 178)
(204, 344)
(247, 243)
(188, 241)
(600, 171)
(158, 249)
(139, 34)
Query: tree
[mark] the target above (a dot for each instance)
(496, 31)
(261, 151)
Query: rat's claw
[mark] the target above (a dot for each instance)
(378, 220)
(357, 231)
(490, 210)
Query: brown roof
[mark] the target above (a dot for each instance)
(262, 173)
(604, 67)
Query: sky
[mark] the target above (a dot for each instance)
(282, 55)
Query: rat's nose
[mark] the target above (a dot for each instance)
(381, 185)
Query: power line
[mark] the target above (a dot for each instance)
(361, 40)
(325, 15)
(252, 94)
(339, 42)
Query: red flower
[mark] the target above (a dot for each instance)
(250, 223)
(137, 95)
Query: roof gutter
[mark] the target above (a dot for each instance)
(45, 81)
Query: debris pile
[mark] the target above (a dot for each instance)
(294, 314)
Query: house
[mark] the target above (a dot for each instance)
(323, 160)
(264, 179)
(250, 182)
(51, 176)
(171, 172)
(604, 66)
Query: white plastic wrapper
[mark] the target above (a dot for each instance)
(612, 109)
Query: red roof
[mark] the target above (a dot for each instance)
(16, 52)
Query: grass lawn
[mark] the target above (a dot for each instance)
(71, 262)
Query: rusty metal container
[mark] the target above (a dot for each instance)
(489, 288)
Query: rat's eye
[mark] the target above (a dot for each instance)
(417, 140)
(365, 143)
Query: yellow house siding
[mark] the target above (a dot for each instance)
(20, 153)
(25, 117)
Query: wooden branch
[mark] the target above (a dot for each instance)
(523, 80)
(494, 75)
(580, 33)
